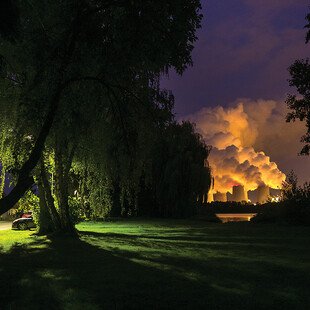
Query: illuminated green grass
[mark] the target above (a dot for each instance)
(10, 238)
(158, 265)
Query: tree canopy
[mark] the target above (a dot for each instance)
(80, 82)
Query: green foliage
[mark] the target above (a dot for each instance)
(163, 177)
(94, 194)
(116, 50)
(81, 69)
(75, 209)
(30, 202)
(100, 200)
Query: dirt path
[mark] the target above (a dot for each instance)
(5, 225)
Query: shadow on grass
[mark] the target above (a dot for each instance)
(74, 274)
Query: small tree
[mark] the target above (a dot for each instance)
(294, 193)
(290, 186)
(300, 107)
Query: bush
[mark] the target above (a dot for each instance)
(75, 208)
(285, 212)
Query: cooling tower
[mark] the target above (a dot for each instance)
(210, 196)
(262, 194)
(220, 197)
(239, 194)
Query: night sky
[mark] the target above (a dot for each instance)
(244, 49)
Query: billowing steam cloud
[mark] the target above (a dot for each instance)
(243, 166)
(236, 134)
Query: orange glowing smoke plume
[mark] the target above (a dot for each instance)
(232, 132)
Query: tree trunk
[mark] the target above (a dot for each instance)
(49, 199)
(116, 210)
(25, 180)
(45, 220)
(62, 166)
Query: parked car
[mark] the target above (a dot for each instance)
(25, 221)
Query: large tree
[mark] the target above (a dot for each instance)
(300, 106)
(68, 64)
(178, 176)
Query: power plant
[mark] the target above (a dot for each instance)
(263, 194)
(220, 197)
(210, 197)
(260, 195)
(239, 194)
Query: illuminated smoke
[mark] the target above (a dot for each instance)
(233, 132)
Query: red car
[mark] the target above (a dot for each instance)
(24, 222)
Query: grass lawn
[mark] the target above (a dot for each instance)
(158, 264)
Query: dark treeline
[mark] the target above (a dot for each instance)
(179, 173)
